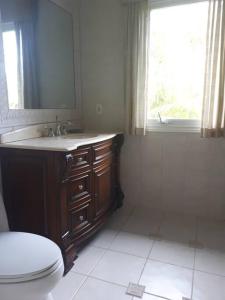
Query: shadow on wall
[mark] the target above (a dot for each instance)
(175, 173)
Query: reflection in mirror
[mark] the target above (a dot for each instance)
(39, 57)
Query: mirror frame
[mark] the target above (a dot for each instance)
(21, 117)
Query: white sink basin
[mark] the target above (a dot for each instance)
(79, 136)
(31, 138)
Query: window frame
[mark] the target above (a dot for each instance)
(173, 125)
(9, 26)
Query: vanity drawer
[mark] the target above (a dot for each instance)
(80, 187)
(80, 218)
(81, 160)
(102, 150)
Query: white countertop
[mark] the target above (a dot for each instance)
(63, 143)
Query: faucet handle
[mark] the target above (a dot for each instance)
(51, 132)
(48, 131)
(63, 130)
(58, 130)
(64, 127)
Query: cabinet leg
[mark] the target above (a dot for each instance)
(69, 255)
(119, 197)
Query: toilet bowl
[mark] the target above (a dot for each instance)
(30, 266)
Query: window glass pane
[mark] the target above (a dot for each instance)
(177, 60)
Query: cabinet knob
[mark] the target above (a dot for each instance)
(80, 159)
(80, 187)
(81, 218)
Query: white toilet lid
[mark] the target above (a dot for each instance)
(25, 255)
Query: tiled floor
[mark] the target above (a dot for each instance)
(153, 249)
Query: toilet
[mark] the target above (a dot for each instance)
(30, 266)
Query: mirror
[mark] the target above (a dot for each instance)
(39, 54)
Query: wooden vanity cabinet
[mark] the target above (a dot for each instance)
(66, 197)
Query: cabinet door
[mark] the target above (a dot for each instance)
(102, 189)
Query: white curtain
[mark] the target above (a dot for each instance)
(20, 80)
(27, 68)
(137, 44)
(214, 98)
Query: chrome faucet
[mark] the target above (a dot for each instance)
(61, 128)
(58, 128)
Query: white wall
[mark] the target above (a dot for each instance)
(172, 172)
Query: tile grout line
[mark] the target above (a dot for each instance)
(157, 296)
(167, 263)
(88, 275)
(83, 283)
(127, 253)
(195, 249)
(118, 231)
(209, 273)
(126, 217)
(98, 260)
(122, 286)
(158, 232)
(147, 259)
(106, 281)
(108, 249)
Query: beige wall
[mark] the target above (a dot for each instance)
(102, 63)
(168, 171)
(175, 172)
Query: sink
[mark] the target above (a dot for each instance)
(79, 136)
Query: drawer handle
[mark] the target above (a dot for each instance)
(80, 159)
(81, 218)
(80, 187)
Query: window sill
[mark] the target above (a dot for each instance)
(173, 128)
(174, 125)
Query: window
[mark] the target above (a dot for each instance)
(12, 62)
(176, 67)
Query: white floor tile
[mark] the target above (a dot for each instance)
(167, 280)
(149, 297)
(133, 244)
(87, 259)
(104, 239)
(119, 268)
(166, 273)
(142, 224)
(94, 289)
(211, 234)
(210, 261)
(178, 228)
(208, 287)
(173, 253)
(68, 286)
